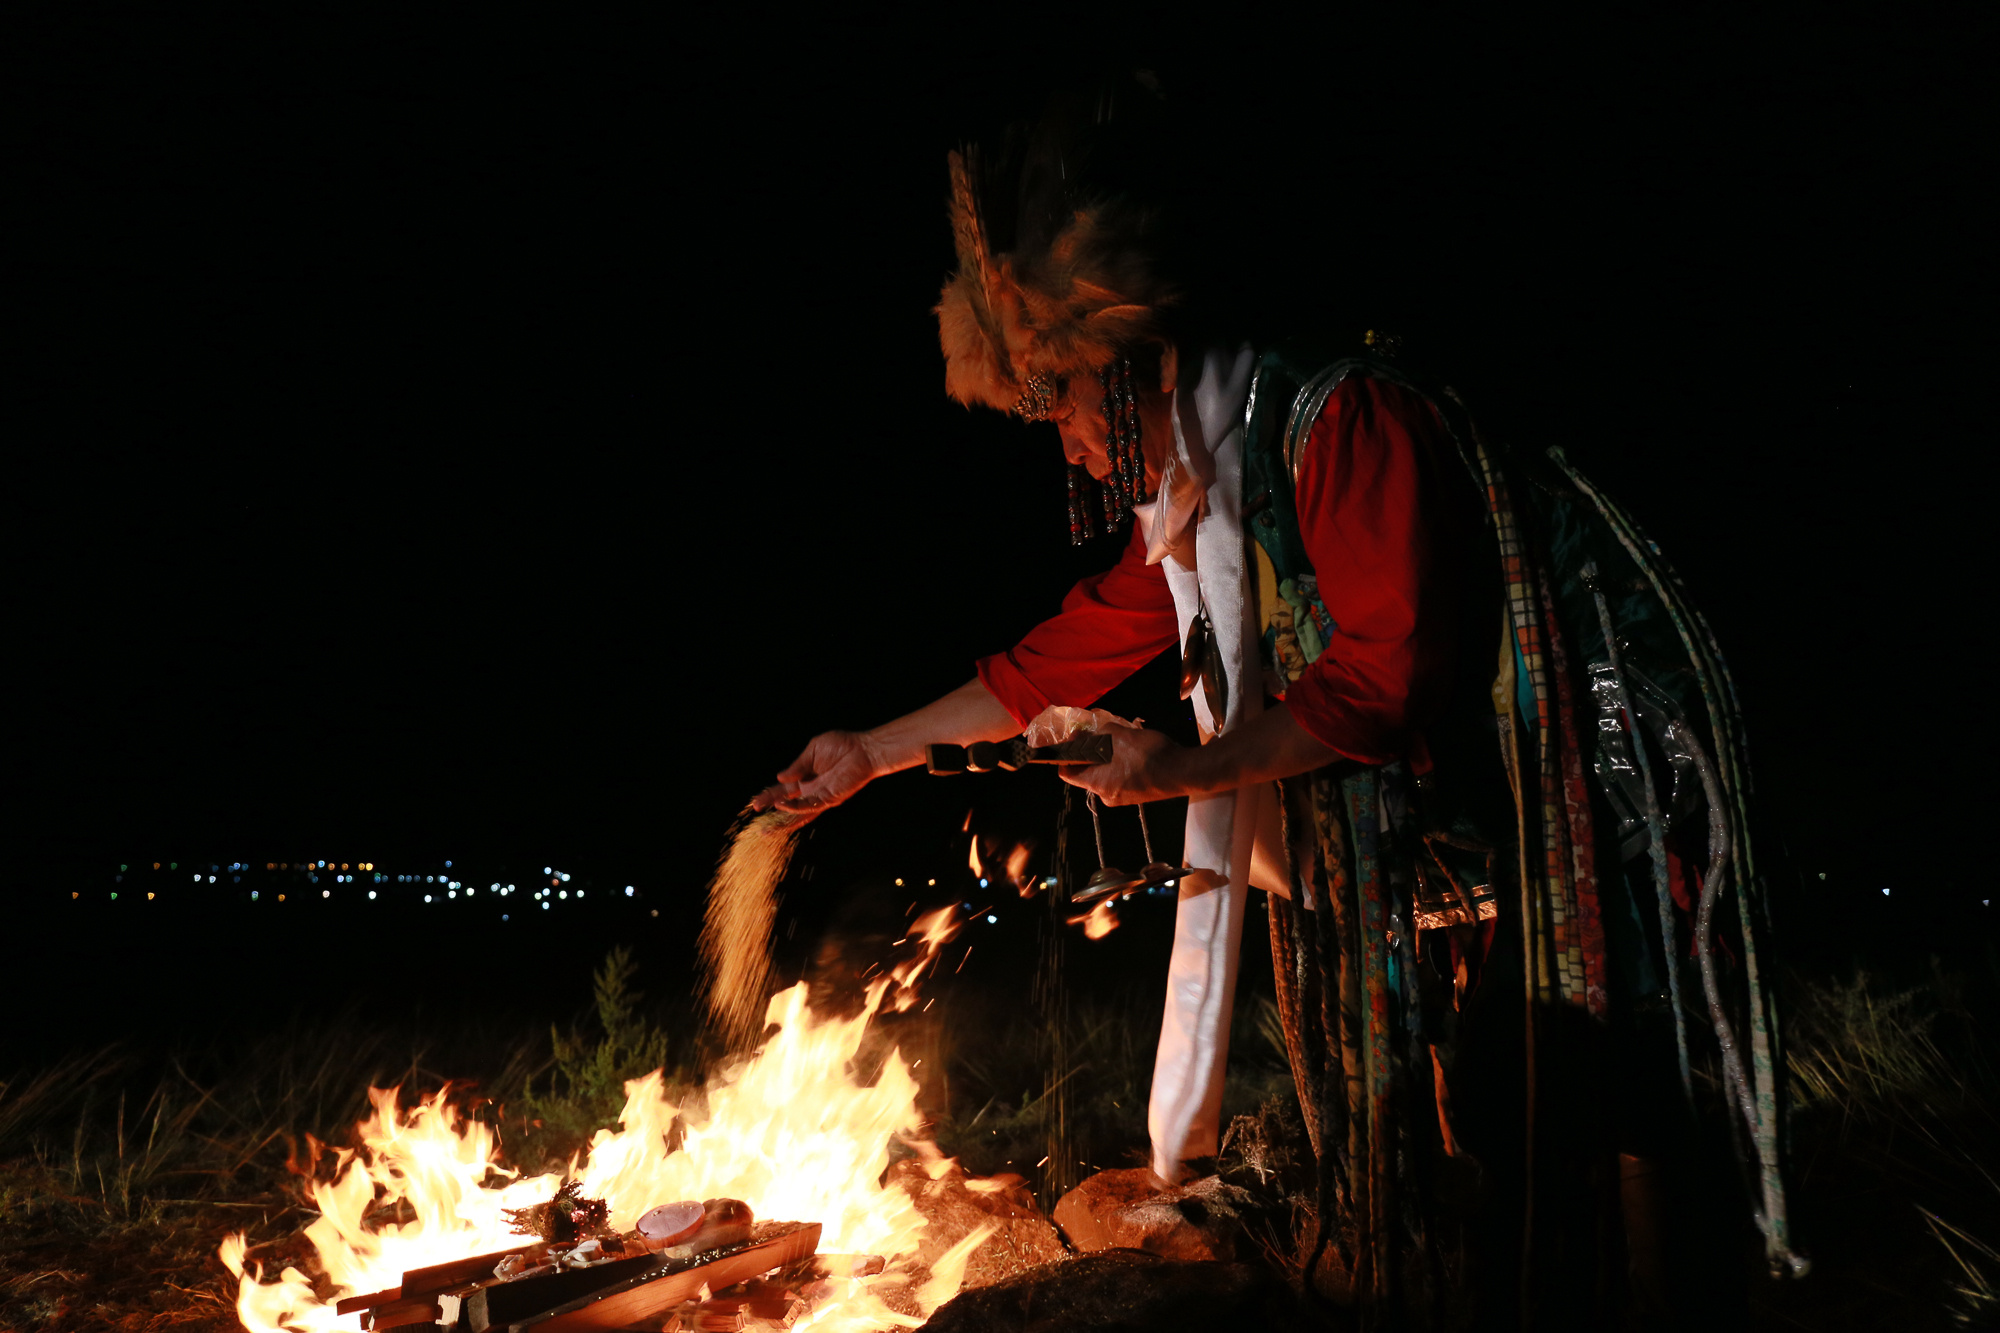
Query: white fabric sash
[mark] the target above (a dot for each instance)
(1202, 486)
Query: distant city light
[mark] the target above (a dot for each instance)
(933, 883)
(427, 897)
(899, 883)
(579, 893)
(982, 883)
(505, 917)
(563, 894)
(628, 890)
(656, 911)
(114, 897)
(253, 895)
(197, 879)
(545, 906)
(563, 878)
(326, 893)
(547, 871)
(149, 897)
(452, 894)
(447, 865)
(1885, 893)
(371, 894)
(992, 920)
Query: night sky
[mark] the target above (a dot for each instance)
(514, 436)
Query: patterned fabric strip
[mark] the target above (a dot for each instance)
(1364, 819)
(1545, 923)
(1589, 935)
(1732, 770)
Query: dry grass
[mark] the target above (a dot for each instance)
(736, 931)
(119, 1177)
(1896, 1154)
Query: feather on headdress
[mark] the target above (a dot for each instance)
(1062, 308)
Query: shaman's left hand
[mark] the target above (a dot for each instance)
(1144, 766)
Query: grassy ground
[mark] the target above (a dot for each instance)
(1897, 1155)
(120, 1174)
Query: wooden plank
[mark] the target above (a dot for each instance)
(496, 1304)
(650, 1297)
(397, 1314)
(455, 1272)
(349, 1304)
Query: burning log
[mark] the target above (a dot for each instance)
(650, 1295)
(793, 1122)
(424, 1284)
(404, 1314)
(468, 1296)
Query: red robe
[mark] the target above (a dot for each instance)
(1383, 512)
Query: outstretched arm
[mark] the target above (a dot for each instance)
(837, 764)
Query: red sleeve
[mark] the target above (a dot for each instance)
(1110, 625)
(1378, 524)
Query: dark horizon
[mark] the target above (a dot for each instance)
(521, 442)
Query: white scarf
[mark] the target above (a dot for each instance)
(1195, 528)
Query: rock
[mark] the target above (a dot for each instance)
(1127, 1209)
(1124, 1291)
(954, 1204)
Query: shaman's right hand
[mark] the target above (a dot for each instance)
(833, 766)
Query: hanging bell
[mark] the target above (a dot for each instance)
(1109, 881)
(1155, 872)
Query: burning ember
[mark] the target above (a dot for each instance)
(1016, 873)
(789, 1130)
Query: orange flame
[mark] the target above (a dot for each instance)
(1018, 873)
(789, 1130)
(1099, 921)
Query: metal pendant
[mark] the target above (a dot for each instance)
(1215, 682)
(1195, 655)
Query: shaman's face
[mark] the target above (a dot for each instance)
(1080, 421)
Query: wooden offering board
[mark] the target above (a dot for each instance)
(650, 1295)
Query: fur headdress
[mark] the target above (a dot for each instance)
(1073, 292)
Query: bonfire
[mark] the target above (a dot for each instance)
(766, 1201)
